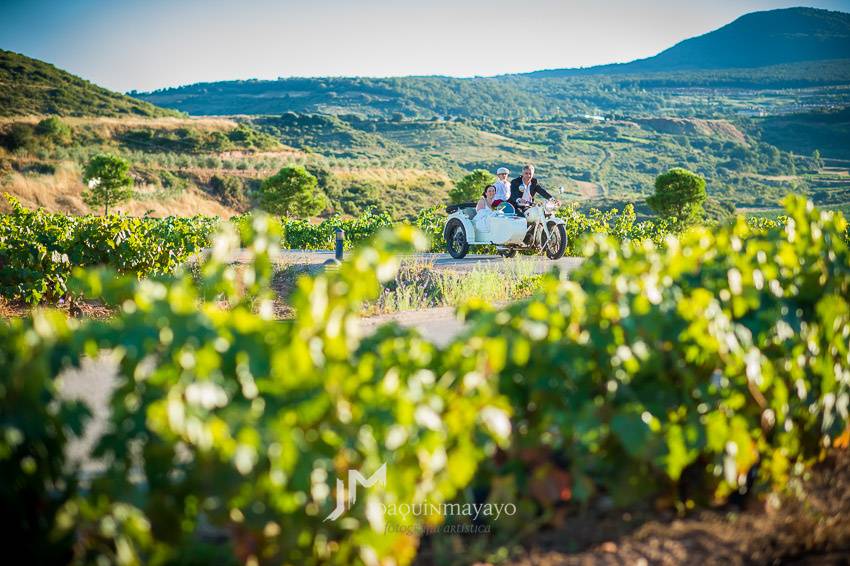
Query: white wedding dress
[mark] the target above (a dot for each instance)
(482, 220)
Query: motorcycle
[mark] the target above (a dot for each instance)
(537, 230)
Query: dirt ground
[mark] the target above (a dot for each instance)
(82, 309)
(811, 526)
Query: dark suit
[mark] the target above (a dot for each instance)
(516, 191)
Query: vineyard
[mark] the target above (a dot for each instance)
(713, 365)
(39, 250)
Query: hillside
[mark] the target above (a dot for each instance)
(779, 49)
(182, 166)
(758, 39)
(827, 132)
(29, 86)
(507, 97)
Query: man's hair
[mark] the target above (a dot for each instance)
(529, 166)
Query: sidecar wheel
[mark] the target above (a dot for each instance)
(456, 243)
(557, 244)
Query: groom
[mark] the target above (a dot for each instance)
(524, 188)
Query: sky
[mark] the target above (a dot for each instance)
(148, 44)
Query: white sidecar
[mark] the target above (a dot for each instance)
(539, 230)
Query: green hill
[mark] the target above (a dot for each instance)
(29, 86)
(758, 39)
(504, 97)
(780, 49)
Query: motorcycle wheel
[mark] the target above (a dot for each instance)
(456, 243)
(557, 244)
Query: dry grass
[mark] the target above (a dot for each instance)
(188, 203)
(59, 192)
(419, 286)
(62, 192)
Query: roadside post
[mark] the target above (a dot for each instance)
(338, 250)
(340, 240)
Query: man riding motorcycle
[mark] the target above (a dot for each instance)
(524, 188)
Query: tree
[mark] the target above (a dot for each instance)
(470, 187)
(292, 192)
(109, 181)
(817, 161)
(679, 193)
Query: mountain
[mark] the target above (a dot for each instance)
(758, 39)
(779, 49)
(29, 86)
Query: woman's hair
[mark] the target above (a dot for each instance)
(484, 192)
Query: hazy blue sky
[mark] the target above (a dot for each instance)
(148, 44)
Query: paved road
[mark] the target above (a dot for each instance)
(438, 325)
(537, 264)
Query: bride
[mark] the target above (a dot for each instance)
(484, 209)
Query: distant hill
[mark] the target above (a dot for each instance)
(502, 97)
(779, 49)
(758, 39)
(29, 86)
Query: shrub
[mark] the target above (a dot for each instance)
(358, 197)
(246, 439)
(301, 234)
(38, 249)
(55, 131)
(432, 221)
(35, 480)
(713, 365)
(230, 190)
(20, 137)
(172, 182)
(716, 364)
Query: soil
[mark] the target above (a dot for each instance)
(811, 526)
(79, 309)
